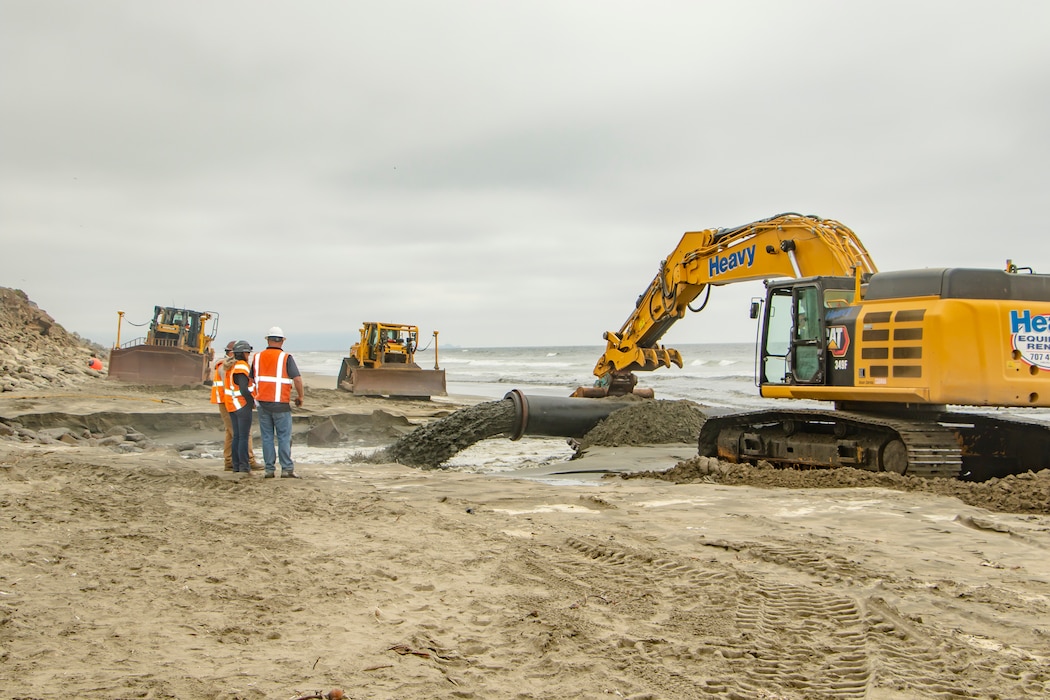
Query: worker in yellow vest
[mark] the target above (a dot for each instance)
(218, 396)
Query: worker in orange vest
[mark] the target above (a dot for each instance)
(275, 373)
(239, 403)
(218, 396)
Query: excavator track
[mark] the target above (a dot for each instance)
(968, 446)
(994, 445)
(933, 450)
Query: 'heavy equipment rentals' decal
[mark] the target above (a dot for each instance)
(724, 263)
(1031, 337)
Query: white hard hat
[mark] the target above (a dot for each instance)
(275, 332)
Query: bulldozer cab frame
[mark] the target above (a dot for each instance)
(181, 328)
(386, 343)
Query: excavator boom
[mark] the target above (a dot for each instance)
(788, 245)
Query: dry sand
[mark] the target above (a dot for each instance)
(143, 574)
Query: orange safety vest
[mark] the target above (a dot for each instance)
(234, 399)
(271, 376)
(218, 385)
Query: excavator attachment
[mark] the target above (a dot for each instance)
(618, 383)
(600, 392)
(382, 363)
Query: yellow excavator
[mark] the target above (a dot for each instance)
(382, 363)
(892, 350)
(176, 349)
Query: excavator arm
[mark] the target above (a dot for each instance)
(788, 245)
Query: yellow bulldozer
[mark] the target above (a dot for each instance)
(382, 363)
(176, 349)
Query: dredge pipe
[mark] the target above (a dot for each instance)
(557, 416)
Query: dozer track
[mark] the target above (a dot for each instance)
(967, 446)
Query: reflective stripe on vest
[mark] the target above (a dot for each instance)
(234, 399)
(271, 381)
(218, 386)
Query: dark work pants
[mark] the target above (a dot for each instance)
(242, 429)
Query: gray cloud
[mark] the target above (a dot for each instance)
(506, 174)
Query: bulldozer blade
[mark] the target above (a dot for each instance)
(150, 364)
(407, 382)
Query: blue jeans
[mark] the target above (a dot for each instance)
(277, 423)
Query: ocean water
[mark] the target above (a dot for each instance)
(719, 375)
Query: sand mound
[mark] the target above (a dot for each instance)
(1020, 493)
(38, 352)
(648, 423)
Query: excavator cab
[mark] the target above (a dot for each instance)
(795, 336)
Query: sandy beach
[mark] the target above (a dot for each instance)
(146, 574)
(133, 566)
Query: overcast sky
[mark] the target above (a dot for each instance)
(505, 173)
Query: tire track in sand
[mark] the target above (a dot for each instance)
(909, 655)
(678, 628)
